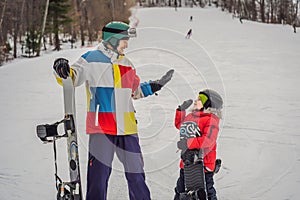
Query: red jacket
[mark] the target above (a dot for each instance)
(209, 126)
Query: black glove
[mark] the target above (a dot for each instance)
(158, 84)
(217, 165)
(182, 144)
(185, 105)
(61, 67)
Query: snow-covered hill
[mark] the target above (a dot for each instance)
(254, 66)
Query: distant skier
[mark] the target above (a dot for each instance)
(189, 34)
(206, 113)
(111, 84)
(294, 24)
(191, 18)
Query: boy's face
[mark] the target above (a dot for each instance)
(197, 104)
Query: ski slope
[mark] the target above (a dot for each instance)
(254, 66)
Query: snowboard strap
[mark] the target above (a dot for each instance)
(57, 179)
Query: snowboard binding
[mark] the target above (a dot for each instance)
(68, 191)
(48, 133)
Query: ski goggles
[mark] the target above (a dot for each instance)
(131, 32)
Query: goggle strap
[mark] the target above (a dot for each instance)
(114, 30)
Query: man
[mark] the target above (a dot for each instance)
(111, 83)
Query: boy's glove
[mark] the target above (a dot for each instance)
(61, 67)
(158, 84)
(182, 145)
(185, 105)
(217, 165)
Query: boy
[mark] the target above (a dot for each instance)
(206, 113)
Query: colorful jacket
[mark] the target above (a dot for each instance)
(209, 127)
(111, 84)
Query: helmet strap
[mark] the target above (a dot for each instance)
(112, 44)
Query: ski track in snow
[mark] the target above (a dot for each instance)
(254, 66)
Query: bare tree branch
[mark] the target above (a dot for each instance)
(43, 28)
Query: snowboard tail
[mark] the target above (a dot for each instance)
(194, 177)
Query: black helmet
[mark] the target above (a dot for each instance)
(211, 98)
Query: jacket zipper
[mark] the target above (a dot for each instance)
(96, 118)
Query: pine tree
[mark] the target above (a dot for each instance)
(57, 17)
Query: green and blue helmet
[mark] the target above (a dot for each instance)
(114, 31)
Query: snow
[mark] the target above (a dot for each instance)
(254, 66)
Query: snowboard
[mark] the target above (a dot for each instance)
(71, 131)
(194, 177)
(71, 190)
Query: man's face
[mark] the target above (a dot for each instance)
(123, 44)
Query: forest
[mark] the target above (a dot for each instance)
(27, 27)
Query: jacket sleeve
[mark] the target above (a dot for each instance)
(80, 71)
(209, 137)
(179, 117)
(141, 90)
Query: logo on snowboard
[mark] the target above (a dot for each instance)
(189, 130)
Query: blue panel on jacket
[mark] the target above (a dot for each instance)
(104, 97)
(96, 56)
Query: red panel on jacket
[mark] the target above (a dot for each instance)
(129, 78)
(106, 123)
